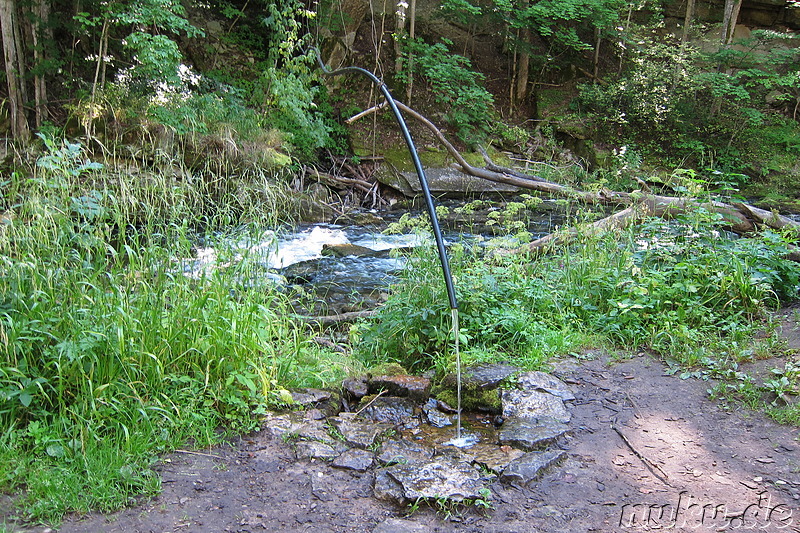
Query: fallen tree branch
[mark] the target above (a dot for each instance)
(653, 467)
(741, 218)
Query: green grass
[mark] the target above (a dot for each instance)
(109, 354)
(681, 288)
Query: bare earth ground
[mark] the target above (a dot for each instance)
(696, 467)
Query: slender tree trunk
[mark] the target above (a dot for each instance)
(41, 34)
(522, 72)
(596, 58)
(687, 21)
(399, 31)
(12, 60)
(412, 23)
(729, 18)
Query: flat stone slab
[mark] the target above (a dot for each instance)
(441, 477)
(358, 460)
(486, 377)
(544, 382)
(530, 466)
(530, 433)
(493, 457)
(312, 449)
(395, 411)
(527, 403)
(415, 388)
(358, 432)
(403, 452)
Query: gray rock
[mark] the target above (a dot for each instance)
(415, 388)
(442, 477)
(386, 488)
(530, 433)
(435, 417)
(485, 377)
(449, 180)
(533, 404)
(358, 432)
(312, 449)
(315, 430)
(358, 460)
(278, 425)
(396, 525)
(530, 466)
(343, 250)
(493, 457)
(541, 381)
(403, 451)
(355, 388)
(395, 411)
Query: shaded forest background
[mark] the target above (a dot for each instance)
(610, 89)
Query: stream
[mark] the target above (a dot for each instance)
(341, 267)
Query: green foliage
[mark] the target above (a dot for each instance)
(682, 287)
(455, 86)
(110, 354)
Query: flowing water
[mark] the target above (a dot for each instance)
(297, 257)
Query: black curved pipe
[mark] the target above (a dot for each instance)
(437, 233)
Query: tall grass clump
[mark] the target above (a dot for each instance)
(683, 288)
(109, 353)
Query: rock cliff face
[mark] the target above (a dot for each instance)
(761, 13)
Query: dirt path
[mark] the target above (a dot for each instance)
(647, 452)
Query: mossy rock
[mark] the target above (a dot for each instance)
(473, 399)
(388, 369)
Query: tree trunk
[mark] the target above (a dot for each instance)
(412, 17)
(523, 61)
(687, 21)
(13, 60)
(41, 34)
(399, 31)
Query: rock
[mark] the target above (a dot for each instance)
(530, 433)
(277, 425)
(355, 388)
(356, 432)
(312, 449)
(414, 387)
(386, 488)
(396, 525)
(485, 377)
(493, 457)
(544, 382)
(533, 404)
(435, 417)
(343, 250)
(403, 452)
(530, 466)
(395, 411)
(442, 477)
(358, 460)
(326, 401)
(315, 430)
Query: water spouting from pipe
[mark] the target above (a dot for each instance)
(459, 440)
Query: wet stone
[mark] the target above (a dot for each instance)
(317, 399)
(396, 411)
(386, 488)
(403, 452)
(434, 416)
(355, 388)
(276, 425)
(485, 377)
(533, 404)
(358, 432)
(530, 466)
(358, 460)
(493, 457)
(315, 430)
(415, 388)
(312, 449)
(342, 250)
(541, 381)
(530, 433)
(442, 477)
